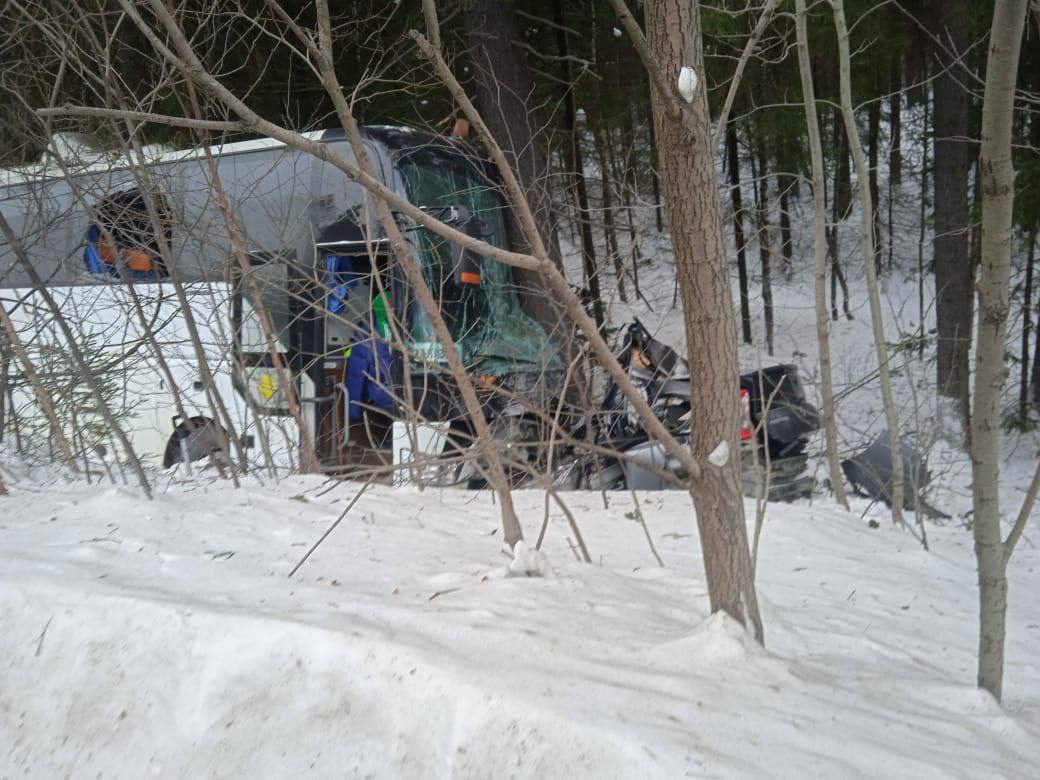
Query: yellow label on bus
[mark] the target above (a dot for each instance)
(267, 387)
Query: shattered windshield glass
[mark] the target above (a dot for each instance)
(493, 333)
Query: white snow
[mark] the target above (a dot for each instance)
(165, 638)
(529, 562)
(720, 455)
(687, 83)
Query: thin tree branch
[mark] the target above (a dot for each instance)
(738, 74)
(664, 85)
(139, 116)
(1023, 515)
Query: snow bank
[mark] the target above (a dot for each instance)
(165, 638)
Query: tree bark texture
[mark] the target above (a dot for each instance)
(695, 215)
(505, 94)
(952, 163)
(1027, 325)
(997, 177)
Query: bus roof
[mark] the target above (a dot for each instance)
(96, 161)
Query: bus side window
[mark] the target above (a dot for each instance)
(121, 241)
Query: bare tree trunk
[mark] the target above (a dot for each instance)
(867, 247)
(873, 146)
(607, 202)
(830, 425)
(920, 235)
(1034, 377)
(655, 179)
(895, 152)
(761, 179)
(786, 247)
(630, 194)
(998, 193)
(733, 163)
(841, 202)
(952, 160)
(504, 92)
(575, 168)
(895, 125)
(673, 38)
(1027, 324)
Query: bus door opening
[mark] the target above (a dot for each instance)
(354, 426)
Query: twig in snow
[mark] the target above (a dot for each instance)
(332, 527)
(39, 643)
(437, 593)
(646, 531)
(573, 549)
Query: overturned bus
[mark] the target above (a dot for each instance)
(268, 266)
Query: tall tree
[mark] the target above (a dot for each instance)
(869, 260)
(683, 133)
(998, 192)
(823, 337)
(952, 165)
(504, 95)
(575, 167)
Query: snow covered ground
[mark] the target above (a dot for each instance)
(164, 638)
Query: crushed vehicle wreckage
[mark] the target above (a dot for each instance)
(778, 423)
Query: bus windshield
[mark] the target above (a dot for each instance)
(493, 333)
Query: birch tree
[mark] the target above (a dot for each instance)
(998, 182)
(866, 240)
(823, 338)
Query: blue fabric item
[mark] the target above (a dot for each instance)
(340, 276)
(368, 375)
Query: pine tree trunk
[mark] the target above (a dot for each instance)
(630, 195)
(504, 91)
(998, 181)
(841, 203)
(895, 125)
(786, 247)
(920, 235)
(1027, 324)
(576, 169)
(761, 178)
(656, 180)
(733, 163)
(867, 247)
(823, 338)
(952, 161)
(873, 146)
(695, 216)
(607, 202)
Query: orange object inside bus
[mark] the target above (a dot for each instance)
(136, 259)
